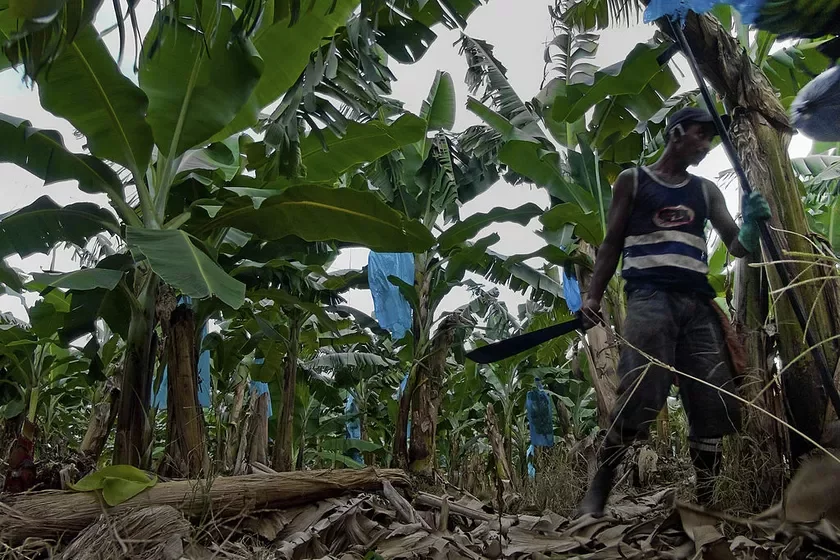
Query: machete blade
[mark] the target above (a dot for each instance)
(510, 347)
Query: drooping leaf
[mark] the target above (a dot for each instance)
(118, 483)
(470, 227)
(88, 306)
(790, 68)
(289, 47)
(518, 276)
(9, 277)
(461, 259)
(85, 86)
(361, 144)
(221, 156)
(344, 445)
(38, 227)
(587, 224)
(84, 279)
(42, 153)
(543, 167)
(350, 359)
(438, 109)
(195, 93)
(175, 257)
(483, 68)
(320, 214)
(573, 52)
(627, 77)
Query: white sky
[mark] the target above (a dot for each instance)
(518, 29)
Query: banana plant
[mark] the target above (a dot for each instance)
(428, 180)
(173, 141)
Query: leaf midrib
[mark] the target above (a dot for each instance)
(126, 145)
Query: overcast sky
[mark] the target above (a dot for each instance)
(519, 29)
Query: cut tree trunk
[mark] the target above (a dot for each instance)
(186, 449)
(427, 397)
(761, 134)
(142, 534)
(102, 418)
(282, 461)
(130, 442)
(61, 515)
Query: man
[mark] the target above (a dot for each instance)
(656, 222)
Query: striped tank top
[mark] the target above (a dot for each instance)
(665, 243)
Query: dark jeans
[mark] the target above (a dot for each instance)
(683, 331)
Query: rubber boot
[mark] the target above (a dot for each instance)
(595, 500)
(706, 468)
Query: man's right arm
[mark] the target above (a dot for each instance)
(612, 246)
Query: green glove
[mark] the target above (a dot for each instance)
(755, 210)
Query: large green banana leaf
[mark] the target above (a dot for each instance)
(288, 48)
(321, 214)
(85, 86)
(42, 153)
(174, 256)
(195, 92)
(38, 227)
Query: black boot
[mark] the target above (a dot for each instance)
(706, 468)
(595, 500)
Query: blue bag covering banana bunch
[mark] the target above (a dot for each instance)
(816, 110)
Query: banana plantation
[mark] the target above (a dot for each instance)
(198, 385)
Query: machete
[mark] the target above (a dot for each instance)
(512, 346)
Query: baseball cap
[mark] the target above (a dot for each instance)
(695, 115)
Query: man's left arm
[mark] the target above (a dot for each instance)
(744, 240)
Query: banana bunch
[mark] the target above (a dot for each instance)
(792, 18)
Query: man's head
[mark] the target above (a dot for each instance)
(690, 132)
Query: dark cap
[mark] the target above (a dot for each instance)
(694, 115)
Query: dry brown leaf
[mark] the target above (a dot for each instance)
(812, 494)
(528, 542)
(611, 536)
(549, 522)
(699, 526)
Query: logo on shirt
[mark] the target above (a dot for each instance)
(673, 216)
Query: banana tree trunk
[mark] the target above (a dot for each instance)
(130, 442)
(419, 328)
(602, 352)
(767, 437)
(283, 456)
(761, 133)
(258, 430)
(234, 426)
(426, 400)
(186, 449)
(102, 418)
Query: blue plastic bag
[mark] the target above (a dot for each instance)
(571, 292)
(529, 455)
(261, 388)
(540, 414)
(160, 400)
(392, 310)
(677, 10)
(749, 9)
(398, 395)
(353, 427)
(816, 110)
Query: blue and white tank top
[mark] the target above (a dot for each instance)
(665, 242)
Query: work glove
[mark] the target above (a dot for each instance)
(754, 209)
